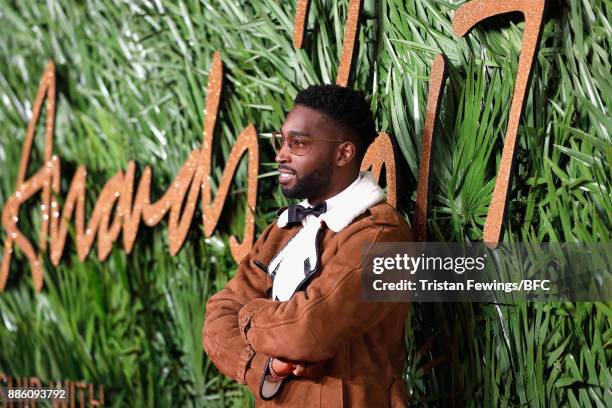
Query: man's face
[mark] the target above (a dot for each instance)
(309, 175)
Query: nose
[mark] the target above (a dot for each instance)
(283, 155)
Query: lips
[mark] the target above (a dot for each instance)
(285, 176)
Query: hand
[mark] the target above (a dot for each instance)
(300, 369)
(282, 368)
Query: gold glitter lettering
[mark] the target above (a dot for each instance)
(436, 82)
(350, 35)
(117, 194)
(378, 154)
(465, 18)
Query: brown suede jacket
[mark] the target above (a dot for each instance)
(361, 344)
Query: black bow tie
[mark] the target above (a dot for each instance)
(296, 213)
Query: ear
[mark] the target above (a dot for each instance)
(346, 153)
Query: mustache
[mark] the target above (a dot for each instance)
(286, 168)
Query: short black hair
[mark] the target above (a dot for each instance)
(345, 106)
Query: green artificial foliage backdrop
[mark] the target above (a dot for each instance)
(131, 79)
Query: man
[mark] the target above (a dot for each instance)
(291, 324)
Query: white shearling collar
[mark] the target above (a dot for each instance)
(345, 206)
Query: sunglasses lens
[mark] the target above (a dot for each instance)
(277, 141)
(297, 147)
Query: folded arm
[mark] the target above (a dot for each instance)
(313, 325)
(221, 336)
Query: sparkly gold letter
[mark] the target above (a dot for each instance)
(381, 152)
(27, 188)
(465, 18)
(299, 27)
(246, 142)
(436, 82)
(350, 35)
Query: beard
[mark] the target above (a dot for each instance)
(311, 184)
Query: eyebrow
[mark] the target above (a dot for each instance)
(298, 133)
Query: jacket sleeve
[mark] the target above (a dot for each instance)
(221, 337)
(313, 325)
